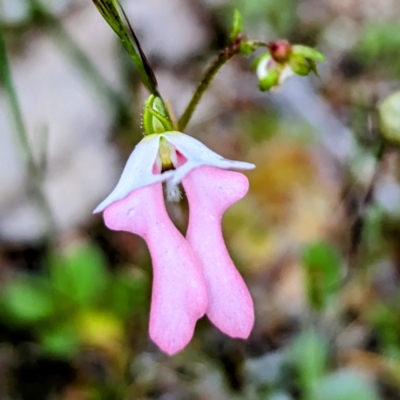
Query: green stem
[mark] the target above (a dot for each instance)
(33, 171)
(209, 75)
(241, 46)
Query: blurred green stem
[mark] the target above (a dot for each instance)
(33, 171)
(43, 17)
(209, 75)
(6, 79)
(222, 58)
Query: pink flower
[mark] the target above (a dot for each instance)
(192, 276)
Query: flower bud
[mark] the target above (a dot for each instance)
(155, 116)
(284, 60)
(271, 73)
(280, 51)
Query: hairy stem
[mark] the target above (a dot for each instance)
(241, 46)
(209, 75)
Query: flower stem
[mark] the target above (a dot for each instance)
(221, 59)
(241, 46)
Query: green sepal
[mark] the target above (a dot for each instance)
(115, 16)
(313, 66)
(237, 25)
(161, 124)
(301, 65)
(270, 80)
(307, 52)
(155, 116)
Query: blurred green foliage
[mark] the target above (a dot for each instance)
(322, 267)
(81, 308)
(379, 45)
(257, 12)
(385, 319)
(309, 355)
(344, 385)
(79, 304)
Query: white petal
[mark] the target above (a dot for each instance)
(262, 67)
(197, 155)
(138, 171)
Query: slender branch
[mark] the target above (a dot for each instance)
(241, 46)
(209, 75)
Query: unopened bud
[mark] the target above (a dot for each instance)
(155, 116)
(280, 51)
(270, 73)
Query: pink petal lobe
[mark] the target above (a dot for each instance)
(210, 192)
(179, 296)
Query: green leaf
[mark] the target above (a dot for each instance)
(344, 385)
(27, 301)
(115, 16)
(80, 274)
(322, 266)
(237, 25)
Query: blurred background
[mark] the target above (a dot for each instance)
(316, 238)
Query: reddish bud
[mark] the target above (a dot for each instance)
(280, 50)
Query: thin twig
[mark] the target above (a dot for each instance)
(221, 59)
